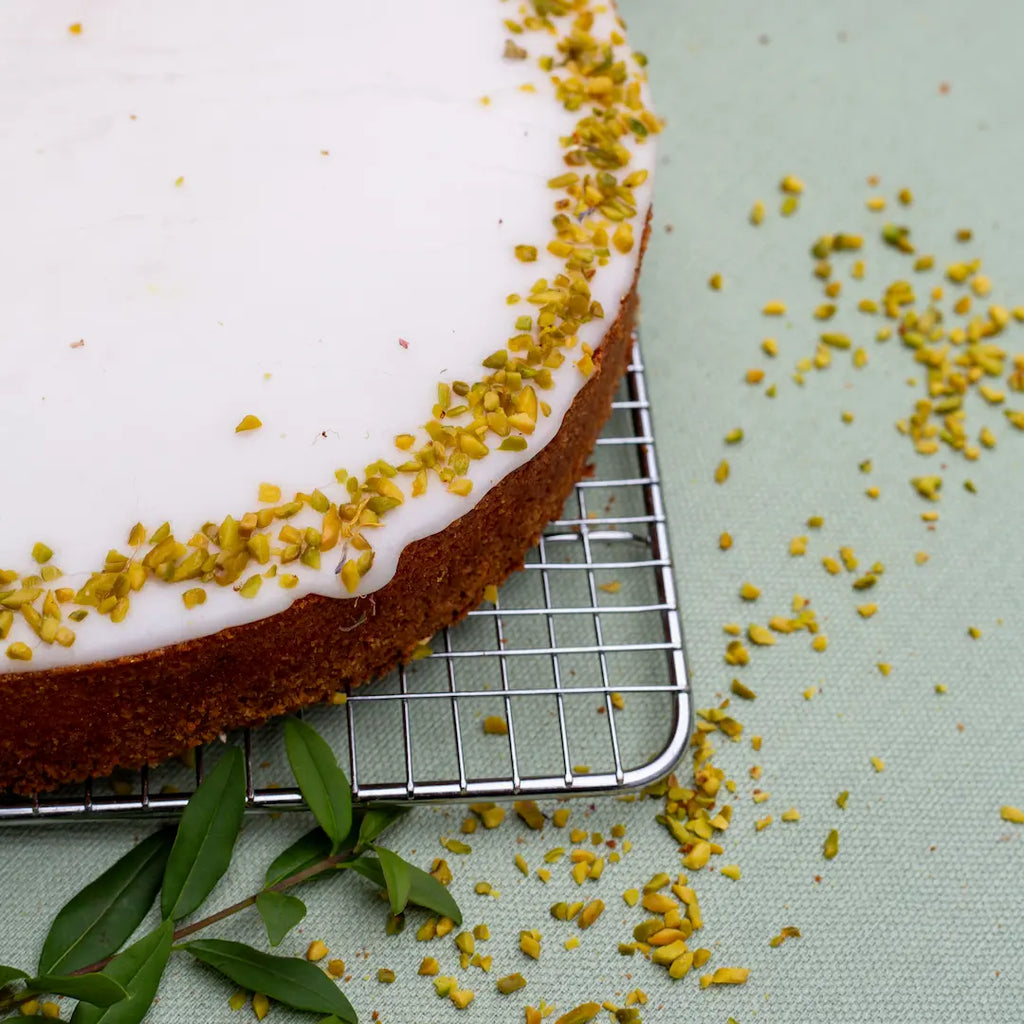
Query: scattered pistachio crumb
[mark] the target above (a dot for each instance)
(529, 943)
(41, 553)
(530, 813)
(789, 932)
(511, 983)
(461, 997)
(743, 691)
(248, 422)
(726, 976)
(316, 950)
(831, 847)
(495, 725)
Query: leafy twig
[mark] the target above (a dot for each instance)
(118, 986)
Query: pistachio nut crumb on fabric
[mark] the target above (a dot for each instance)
(954, 347)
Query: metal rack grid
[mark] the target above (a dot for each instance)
(581, 656)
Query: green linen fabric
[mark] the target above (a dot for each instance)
(920, 917)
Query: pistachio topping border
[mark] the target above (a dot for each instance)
(594, 204)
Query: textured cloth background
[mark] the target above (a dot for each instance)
(921, 915)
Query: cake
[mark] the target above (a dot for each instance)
(309, 319)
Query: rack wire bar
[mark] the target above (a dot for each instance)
(579, 661)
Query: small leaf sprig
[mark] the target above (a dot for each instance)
(84, 955)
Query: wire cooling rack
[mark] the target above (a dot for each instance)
(580, 657)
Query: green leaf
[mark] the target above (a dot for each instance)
(424, 890)
(139, 969)
(206, 837)
(306, 851)
(90, 988)
(376, 819)
(9, 974)
(397, 878)
(101, 918)
(280, 914)
(289, 980)
(323, 784)
(369, 867)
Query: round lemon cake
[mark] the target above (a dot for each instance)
(309, 318)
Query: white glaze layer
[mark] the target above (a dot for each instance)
(342, 187)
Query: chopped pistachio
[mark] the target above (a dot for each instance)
(831, 847)
(248, 422)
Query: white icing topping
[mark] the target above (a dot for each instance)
(242, 208)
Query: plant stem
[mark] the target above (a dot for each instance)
(327, 864)
(8, 1002)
